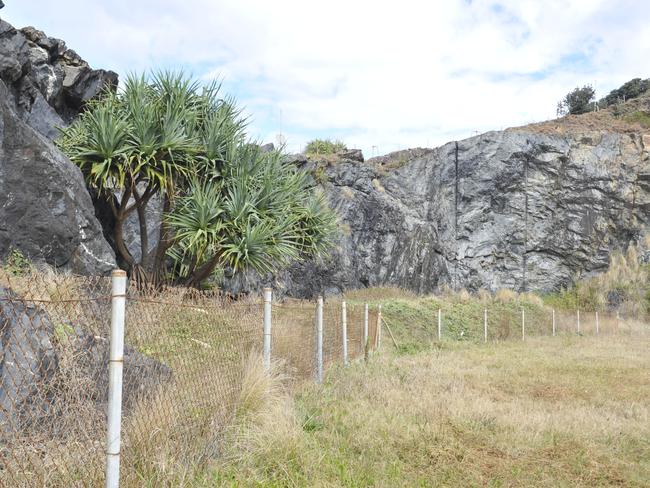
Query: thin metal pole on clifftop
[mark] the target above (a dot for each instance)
(553, 322)
(378, 327)
(115, 366)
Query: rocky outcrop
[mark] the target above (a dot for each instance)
(520, 209)
(47, 83)
(45, 209)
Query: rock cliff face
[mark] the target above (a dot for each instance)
(524, 209)
(45, 209)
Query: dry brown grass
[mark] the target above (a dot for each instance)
(611, 119)
(551, 412)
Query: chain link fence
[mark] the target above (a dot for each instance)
(185, 359)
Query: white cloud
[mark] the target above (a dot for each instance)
(374, 73)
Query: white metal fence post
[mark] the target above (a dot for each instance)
(597, 324)
(115, 366)
(319, 340)
(553, 322)
(344, 326)
(523, 324)
(268, 296)
(578, 321)
(365, 327)
(439, 324)
(378, 327)
(485, 324)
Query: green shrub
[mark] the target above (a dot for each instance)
(324, 147)
(639, 117)
(577, 101)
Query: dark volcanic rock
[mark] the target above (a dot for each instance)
(48, 83)
(352, 155)
(27, 360)
(45, 209)
(140, 376)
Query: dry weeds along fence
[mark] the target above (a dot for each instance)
(101, 384)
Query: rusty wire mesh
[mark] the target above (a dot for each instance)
(185, 358)
(53, 382)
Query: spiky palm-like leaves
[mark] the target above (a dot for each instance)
(258, 213)
(227, 203)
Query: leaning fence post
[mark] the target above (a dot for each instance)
(267, 292)
(597, 325)
(553, 310)
(439, 325)
(523, 324)
(115, 365)
(344, 325)
(378, 327)
(485, 324)
(319, 340)
(578, 320)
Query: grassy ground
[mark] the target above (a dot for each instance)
(564, 411)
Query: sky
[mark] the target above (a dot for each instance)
(378, 75)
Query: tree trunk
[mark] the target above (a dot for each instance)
(164, 243)
(203, 272)
(118, 235)
(141, 208)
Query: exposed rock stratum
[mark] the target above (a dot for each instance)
(526, 209)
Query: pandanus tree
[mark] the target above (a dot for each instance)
(227, 204)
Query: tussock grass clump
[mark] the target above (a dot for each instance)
(324, 147)
(624, 287)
